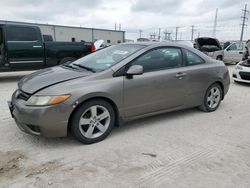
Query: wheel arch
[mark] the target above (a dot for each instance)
(107, 99)
(219, 57)
(222, 87)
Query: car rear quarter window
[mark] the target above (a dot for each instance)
(192, 58)
(19, 33)
(160, 58)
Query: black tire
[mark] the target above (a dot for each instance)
(67, 60)
(219, 58)
(205, 106)
(75, 127)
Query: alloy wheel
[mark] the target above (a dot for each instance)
(94, 121)
(213, 98)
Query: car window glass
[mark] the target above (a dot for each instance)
(106, 58)
(239, 45)
(233, 47)
(16, 33)
(161, 58)
(192, 58)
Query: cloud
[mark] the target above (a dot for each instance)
(157, 6)
(148, 15)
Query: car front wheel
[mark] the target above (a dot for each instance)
(212, 98)
(93, 121)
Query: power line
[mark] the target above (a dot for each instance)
(244, 18)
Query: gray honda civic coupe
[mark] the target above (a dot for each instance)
(91, 95)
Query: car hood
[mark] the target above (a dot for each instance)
(207, 44)
(48, 77)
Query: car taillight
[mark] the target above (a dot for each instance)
(92, 48)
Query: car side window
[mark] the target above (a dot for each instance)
(239, 45)
(19, 33)
(233, 47)
(192, 58)
(160, 58)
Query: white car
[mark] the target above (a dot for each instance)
(234, 52)
(210, 47)
(241, 72)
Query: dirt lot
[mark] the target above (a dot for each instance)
(181, 149)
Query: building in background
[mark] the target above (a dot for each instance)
(70, 33)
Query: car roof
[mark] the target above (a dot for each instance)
(156, 44)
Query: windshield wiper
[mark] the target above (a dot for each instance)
(84, 67)
(69, 66)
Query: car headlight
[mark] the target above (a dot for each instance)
(40, 100)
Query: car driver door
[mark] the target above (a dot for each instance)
(160, 87)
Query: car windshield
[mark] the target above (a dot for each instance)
(106, 58)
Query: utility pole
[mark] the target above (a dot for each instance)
(192, 33)
(115, 26)
(176, 33)
(165, 34)
(159, 36)
(215, 23)
(244, 18)
(140, 31)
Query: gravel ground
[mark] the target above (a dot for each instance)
(182, 149)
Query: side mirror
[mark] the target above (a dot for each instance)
(228, 49)
(135, 70)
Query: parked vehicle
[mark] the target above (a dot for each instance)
(233, 53)
(99, 45)
(210, 47)
(114, 85)
(247, 51)
(23, 48)
(241, 72)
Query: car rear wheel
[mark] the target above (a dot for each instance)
(67, 60)
(212, 98)
(219, 58)
(93, 121)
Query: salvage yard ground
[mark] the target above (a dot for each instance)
(189, 148)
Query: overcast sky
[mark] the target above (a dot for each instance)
(147, 15)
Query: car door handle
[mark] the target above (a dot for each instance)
(240, 52)
(37, 46)
(180, 75)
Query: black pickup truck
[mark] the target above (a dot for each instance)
(22, 47)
